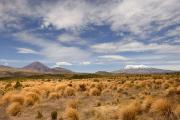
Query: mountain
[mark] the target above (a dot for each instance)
(5, 67)
(59, 70)
(102, 72)
(143, 71)
(37, 66)
(7, 71)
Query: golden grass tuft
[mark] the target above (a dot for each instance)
(95, 92)
(29, 101)
(178, 90)
(54, 96)
(82, 87)
(146, 105)
(163, 109)
(73, 104)
(69, 91)
(17, 98)
(165, 85)
(71, 114)
(7, 97)
(177, 112)
(128, 114)
(131, 111)
(31, 98)
(14, 108)
(60, 87)
(135, 106)
(170, 91)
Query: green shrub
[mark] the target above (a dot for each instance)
(17, 85)
(54, 115)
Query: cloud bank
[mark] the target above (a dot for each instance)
(62, 29)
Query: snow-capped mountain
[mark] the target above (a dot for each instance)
(141, 69)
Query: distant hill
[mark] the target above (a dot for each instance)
(102, 72)
(60, 70)
(143, 71)
(5, 67)
(37, 66)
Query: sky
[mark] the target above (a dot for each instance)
(90, 35)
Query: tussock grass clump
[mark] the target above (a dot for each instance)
(69, 91)
(146, 105)
(17, 98)
(170, 91)
(163, 110)
(95, 92)
(39, 115)
(8, 87)
(31, 98)
(178, 90)
(14, 108)
(60, 87)
(7, 97)
(131, 111)
(177, 111)
(135, 106)
(73, 104)
(54, 96)
(29, 101)
(165, 85)
(82, 87)
(128, 114)
(36, 90)
(71, 114)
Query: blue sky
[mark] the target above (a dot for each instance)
(90, 35)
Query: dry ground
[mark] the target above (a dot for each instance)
(117, 98)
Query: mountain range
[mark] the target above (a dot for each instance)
(34, 68)
(143, 71)
(37, 68)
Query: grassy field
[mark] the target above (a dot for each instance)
(91, 97)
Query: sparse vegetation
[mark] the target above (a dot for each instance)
(116, 97)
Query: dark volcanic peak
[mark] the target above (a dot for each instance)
(37, 66)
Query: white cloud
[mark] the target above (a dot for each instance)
(26, 51)
(58, 64)
(58, 52)
(11, 12)
(53, 50)
(71, 38)
(67, 38)
(135, 16)
(65, 14)
(85, 63)
(138, 17)
(113, 57)
(134, 46)
(135, 66)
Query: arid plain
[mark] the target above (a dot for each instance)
(92, 97)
